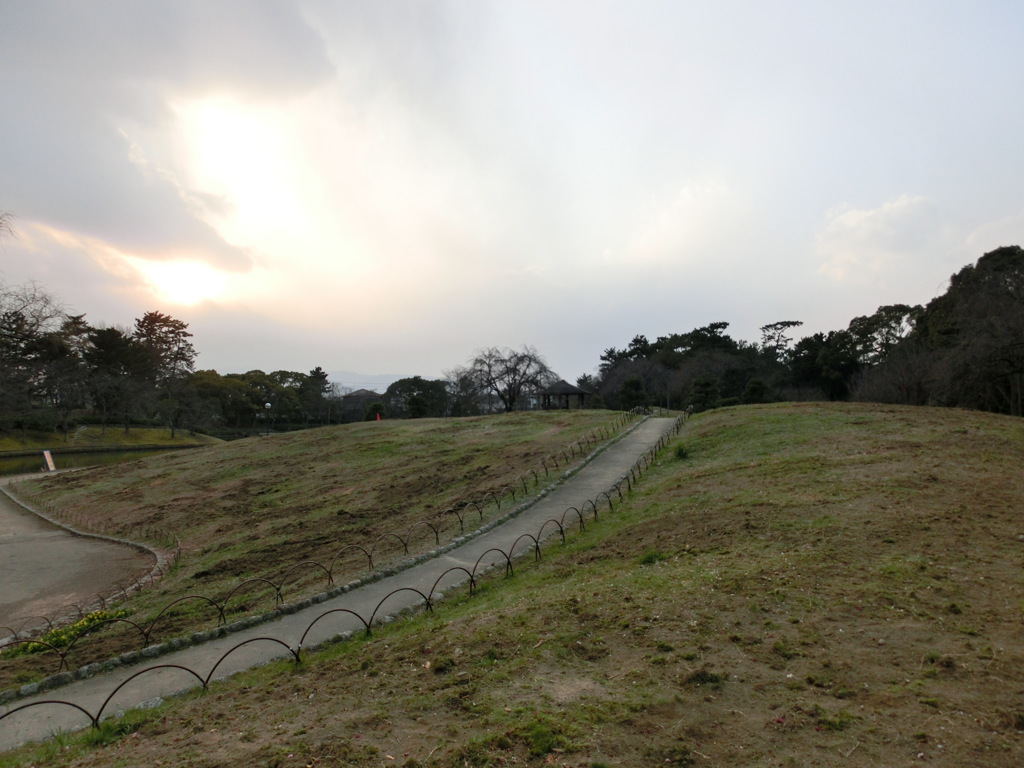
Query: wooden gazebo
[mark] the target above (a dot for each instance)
(564, 395)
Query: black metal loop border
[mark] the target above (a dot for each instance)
(636, 471)
(162, 565)
(174, 644)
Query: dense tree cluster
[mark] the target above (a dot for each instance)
(236, 403)
(416, 398)
(965, 348)
(52, 363)
(56, 368)
(702, 368)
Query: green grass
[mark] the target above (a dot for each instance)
(112, 438)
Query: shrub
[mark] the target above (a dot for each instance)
(61, 637)
(650, 557)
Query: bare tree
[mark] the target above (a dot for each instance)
(509, 374)
(30, 319)
(6, 227)
(36, 310)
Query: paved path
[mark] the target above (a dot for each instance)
(598, 476)
(44, 568)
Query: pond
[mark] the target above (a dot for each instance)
(18, 465)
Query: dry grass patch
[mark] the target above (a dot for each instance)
(794, 589)
(261, 506)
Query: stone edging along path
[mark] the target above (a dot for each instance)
(162, 562)
(198, 638)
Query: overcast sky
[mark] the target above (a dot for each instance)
(387, 187)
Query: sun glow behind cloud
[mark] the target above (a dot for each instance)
(255, 158)
(246, 155)
(354, 210)
(185, 283)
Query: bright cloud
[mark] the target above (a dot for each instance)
(390, 186)
(864, 246)
(244, 155)
(675, 230)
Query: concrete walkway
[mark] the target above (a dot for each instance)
(326, 620)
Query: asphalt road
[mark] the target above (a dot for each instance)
(344, 613)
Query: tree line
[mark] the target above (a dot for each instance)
(964, 348)
(57, 370)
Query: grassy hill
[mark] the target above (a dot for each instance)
(795, 584)
(240, 514)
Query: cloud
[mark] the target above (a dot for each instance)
(407, 181)
(869, 246)
(87, 125)
(1008, 230)
(675, 229)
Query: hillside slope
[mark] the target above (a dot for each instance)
(794, 584)
(302, 510)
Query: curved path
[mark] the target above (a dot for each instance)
(321, 622)
(45, 568)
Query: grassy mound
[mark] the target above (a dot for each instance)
(813, 584)
(244, 513)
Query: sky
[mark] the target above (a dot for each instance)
(389, 187)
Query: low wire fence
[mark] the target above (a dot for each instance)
(249, 593)
(574, 517)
